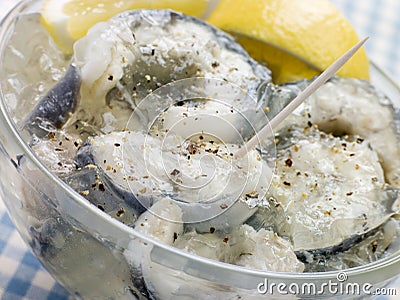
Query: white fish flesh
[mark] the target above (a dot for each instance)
(212, 188)
(346, 106)
(329, 188)
(141, 50)
(244, 246)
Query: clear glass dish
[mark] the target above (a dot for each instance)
(84, 247)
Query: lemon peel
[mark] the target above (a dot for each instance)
(313, 34)
(69, 20)
(296, 38)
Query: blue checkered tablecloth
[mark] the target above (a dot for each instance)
(21, 275)
(378, 19)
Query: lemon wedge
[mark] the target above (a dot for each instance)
(69, 20)
(296, 38)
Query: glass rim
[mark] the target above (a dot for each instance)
(392, 260)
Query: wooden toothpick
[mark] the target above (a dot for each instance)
(267, 130)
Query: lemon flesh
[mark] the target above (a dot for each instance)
(69, 20)
(284, 67)
(313, 34)
(296, 39)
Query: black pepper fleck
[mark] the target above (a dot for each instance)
(120, 212)
(374, 245)
(175, 172)
(51, 135)
(192, 148)
(289, 162)
(215, 64)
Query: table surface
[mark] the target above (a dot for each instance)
(22, 276)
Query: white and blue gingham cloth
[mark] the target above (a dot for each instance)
(21, 275)
(378, 19)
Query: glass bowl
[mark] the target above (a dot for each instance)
(83, 247)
